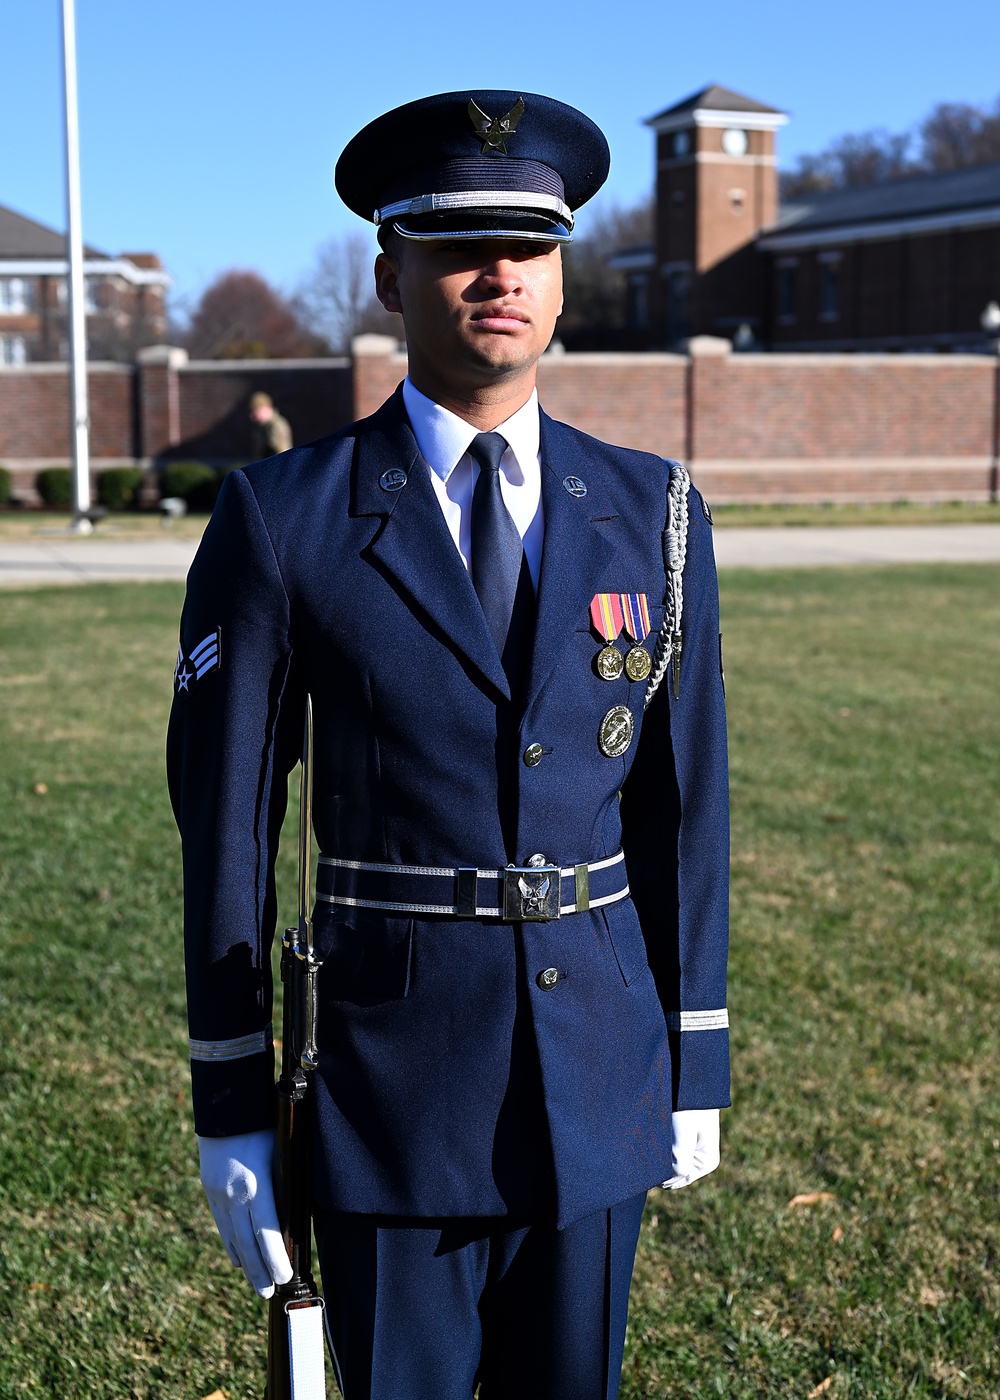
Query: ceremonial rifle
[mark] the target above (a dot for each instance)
(295, 1349)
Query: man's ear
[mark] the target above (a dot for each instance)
(387, 283)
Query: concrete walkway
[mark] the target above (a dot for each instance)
(803, 547)
(59, 560)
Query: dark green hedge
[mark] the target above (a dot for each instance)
(6, 485)
(55, 486)
(194, 482)
(118, 487)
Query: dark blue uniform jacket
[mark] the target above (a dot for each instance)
(450, 1082)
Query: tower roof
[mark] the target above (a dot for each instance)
(719, 103)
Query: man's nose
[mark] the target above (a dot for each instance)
(502, 273)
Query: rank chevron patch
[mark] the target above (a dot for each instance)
(205, 657)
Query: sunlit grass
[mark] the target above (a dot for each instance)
(859, 513)
(865, 748)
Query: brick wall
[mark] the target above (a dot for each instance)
(844, 427)
(35, 411)
(631, 400)
(755, 406)
(314, 395)
(752, 427)
(35, 419)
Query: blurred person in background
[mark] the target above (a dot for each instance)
(269, 432)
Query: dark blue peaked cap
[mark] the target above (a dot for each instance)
(475, 164)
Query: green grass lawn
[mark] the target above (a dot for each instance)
(865, 745)
(142, 525)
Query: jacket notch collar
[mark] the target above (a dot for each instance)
(414, 546)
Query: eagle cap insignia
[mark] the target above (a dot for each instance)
(494, 132)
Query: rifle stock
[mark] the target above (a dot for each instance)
(295, 1354)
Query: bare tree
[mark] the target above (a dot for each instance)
(951, 136)
(956, 134)
(861, 158)
(595, 295)
(240, 316)
(337, 297)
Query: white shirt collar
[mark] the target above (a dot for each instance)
(444, 438)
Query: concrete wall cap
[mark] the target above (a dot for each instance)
(374, 345)
(171, 355)
(255, 367)
(617, 358)
(709, 345)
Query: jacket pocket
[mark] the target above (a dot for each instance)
(365, 955)
(622, 923)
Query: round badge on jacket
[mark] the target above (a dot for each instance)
(615, 733)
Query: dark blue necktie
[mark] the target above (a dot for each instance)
(497, 550)
(501, 578)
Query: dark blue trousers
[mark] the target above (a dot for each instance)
(426, 1310)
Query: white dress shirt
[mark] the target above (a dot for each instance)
(444, 438)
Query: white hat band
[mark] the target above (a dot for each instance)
(476, 199)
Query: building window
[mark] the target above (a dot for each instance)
(92, 298)
(637, 292)
(829, 286)
(13, 350)
(737, 200)
(788, 291)
(15, 296)
(682, 143)
(678, 279)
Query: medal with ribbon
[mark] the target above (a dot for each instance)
(608, 620)
(635, 612)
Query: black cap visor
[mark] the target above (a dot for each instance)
(521, 224)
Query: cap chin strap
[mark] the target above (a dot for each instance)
(478, 199)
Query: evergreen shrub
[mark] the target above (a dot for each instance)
(55, 486)
(194, 482)
(118, 487)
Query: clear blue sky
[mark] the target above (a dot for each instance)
(210, 129)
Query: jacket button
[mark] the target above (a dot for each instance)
(548, 979)
(533, 755)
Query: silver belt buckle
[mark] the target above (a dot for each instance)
(532, 893)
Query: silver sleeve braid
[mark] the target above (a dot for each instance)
(674, 555)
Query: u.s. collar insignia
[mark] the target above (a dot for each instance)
(494, 132)
(205, 657)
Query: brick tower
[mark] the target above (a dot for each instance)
(716, 188)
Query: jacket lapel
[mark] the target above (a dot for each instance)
(574, 554)
(415, 546)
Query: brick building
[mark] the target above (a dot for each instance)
(904, 265)
(125, 296)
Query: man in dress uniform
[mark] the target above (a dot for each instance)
(509, 631)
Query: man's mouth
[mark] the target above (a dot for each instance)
(499, 318)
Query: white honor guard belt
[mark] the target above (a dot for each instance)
(537, 891)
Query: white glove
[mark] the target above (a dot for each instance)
(236, 1175)
(695, 1149)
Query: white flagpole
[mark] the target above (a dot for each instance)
(77, 309)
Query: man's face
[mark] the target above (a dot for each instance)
(475, 310)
